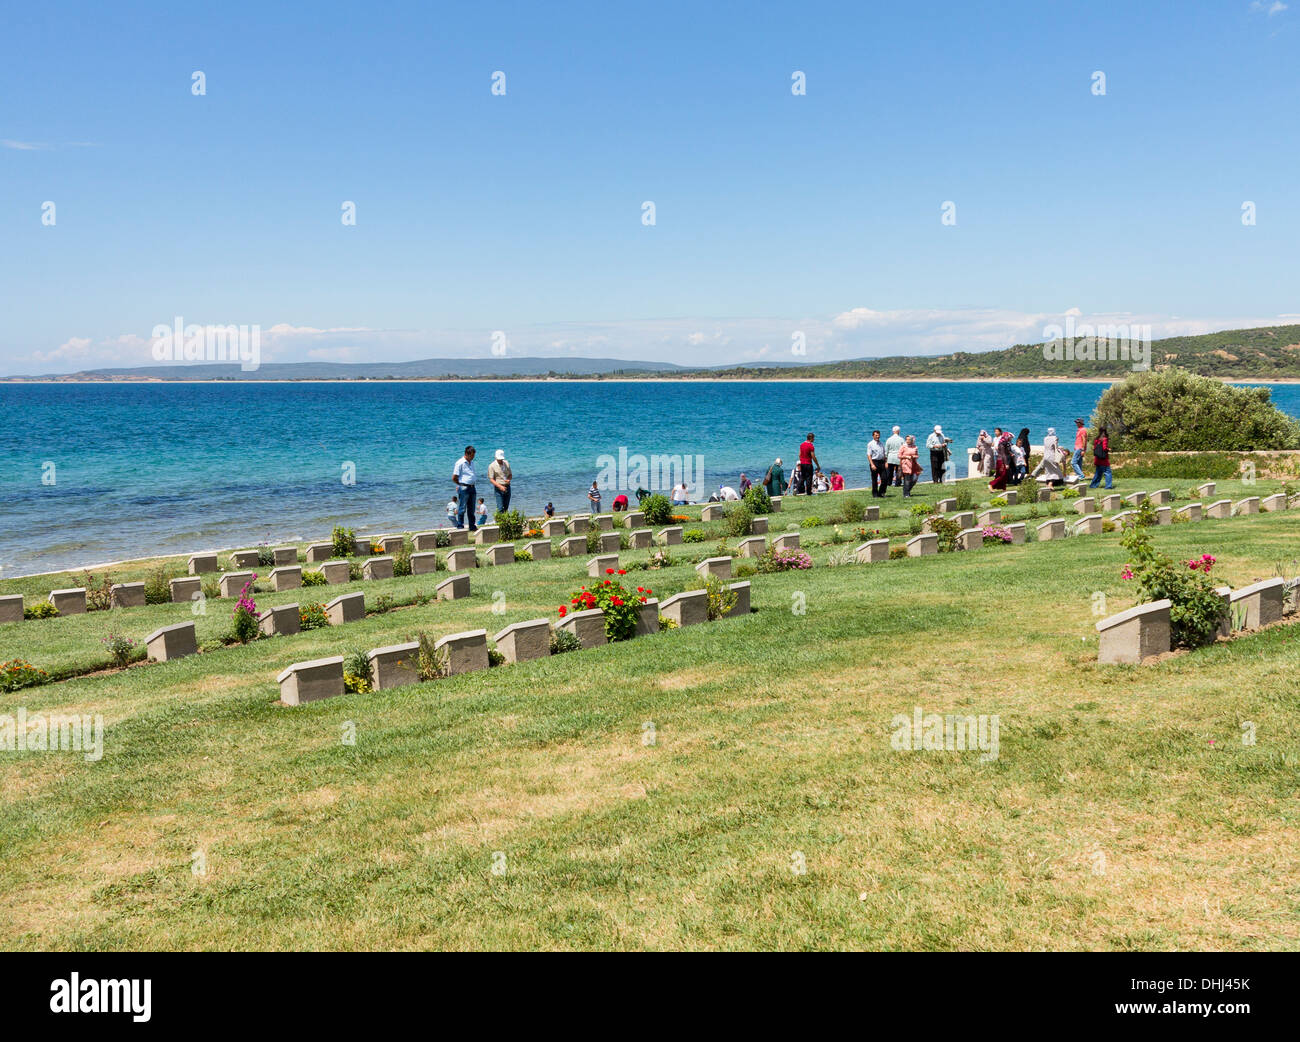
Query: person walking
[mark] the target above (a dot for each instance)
(939, 452)
(462, 475)
(876, 461)
(808, 465)
(1050, 465)
(984, 446)
(774, 479)
(1080, 443)
(499, 475)
(909, 463)
(1101, 458)
(892, 448)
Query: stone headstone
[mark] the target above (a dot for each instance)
(453, 588)
(128, 595)
(243, 559)
(390, 544)
(1164, 515)
(598, 567)
(1207, 490)
(1161, 496)
(172, 642)
(423, 542)
(1262, 601)
(1089, 525)
(871, 512)
(318, 552)
(462, 652)
(397, 665)
(1053, 529)
(588, 626)
(573, 546)
(553, 529)
(424, 563)
(1134, 635)
(1111, 503)
(992, 516)
(69, 602)
(461, 557)
(1136, 499)
(671, 536)
(540, 549)
(776, 504)
(610, 543)
(184, 589)
(1085, 505)
(872, 551)
(523, 641)
(1017, 531)
(285, 555)
(686, 608)
(1124, 517)
(311, 681)
(943, 506)
(786, 541)
(605, 522)
(286, 578)
(966, 519)
(633, 519)
(336, 572)
(281, 620)
(741, 607)
(1044, 495)
(715, 566)
(346, 607)
(647, 620)
(499, 554)
(377, 568)
(1011, 495)
(923, 545)
(970, 539)
(578, 524)
(640, 539)
(487, 535)
(457, 537)
(202, 563)
(1192, 511)
(711, 512)
(758, 526)
(1219, 508)
(754, 546)
(11, 607)
(1274, 502)
(232, 582)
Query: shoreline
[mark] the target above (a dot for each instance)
(21, 381)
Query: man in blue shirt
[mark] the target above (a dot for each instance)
(463, 476)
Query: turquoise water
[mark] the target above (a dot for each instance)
(173, 468)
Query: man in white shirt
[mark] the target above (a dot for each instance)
(463, 476)
(876, 460)
(937, 443)
(680, 495)
(892, 448)
(500, 476)
(727, 494)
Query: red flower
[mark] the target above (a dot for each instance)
(563, 611)
(617, 603)
(640, 589)
(609, 571)
(643, 600)
(622, 571)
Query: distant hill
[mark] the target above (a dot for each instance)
(1267, 353)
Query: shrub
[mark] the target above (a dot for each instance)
(1070, 493)
(431, 662)
(495, 658)
(693, 535)
(757, 499)
(313, 578)
(920, 510)
(265, 555)
(851, 512)
(895, 552)
(354, 571)
(343, 542)
(245, 615)
(1196, 610)
(720, 596)
(620, 606)
(99, 595)
(356, 671)
(383, 603)
(996, 534)
(40, 610)
(1174, 410)
(665, 623)
(947, 530)
(964, 494)
(402, 558)
(511, 523)
(593, 540)
(119, 648)
(739, 517)
(744, 571)
(522, 555)
(774, 560)
(442, 537)
(312, 616)
(563, 640)
(156, 588)
(16, 674)
(657, 509)
(998, 501)
(811, 521)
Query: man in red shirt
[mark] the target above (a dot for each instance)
(807, 465)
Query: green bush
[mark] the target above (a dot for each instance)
(811, 521)
(721, 599)
(657, 509)
(563, 640)
(343, 541)
(1173, 410)
(442, 537)
(40, 610)
(311, 577)
(511, 523)
(356, 671)
(1196, 610)
(896, 552)
(402, 558)
(851, 512)
(156, 588)
(739, 517)
(693, 535)
(964, 494)
(312, 616)
(757, 499)
(522, 555)
(16, 674)
(265, 556)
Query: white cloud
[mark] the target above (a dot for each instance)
(24, 146)
(1276, 7)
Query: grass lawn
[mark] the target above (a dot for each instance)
(729, 785)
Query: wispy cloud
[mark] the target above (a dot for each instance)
(42, 146)
(1270, 9)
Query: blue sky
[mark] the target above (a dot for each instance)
(523, 213)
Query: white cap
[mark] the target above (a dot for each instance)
(501, 454)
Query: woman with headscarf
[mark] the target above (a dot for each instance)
(1050, 466)
(984, 446)
(774, 480)
(1002, 462)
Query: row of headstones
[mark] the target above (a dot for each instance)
(181, 639)
(395, 666)
(1143, 630)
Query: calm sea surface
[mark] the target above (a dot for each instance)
(172, 468)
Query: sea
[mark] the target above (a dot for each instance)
(95, 473)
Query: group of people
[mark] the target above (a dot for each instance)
(1004, 459)
(894, 463)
